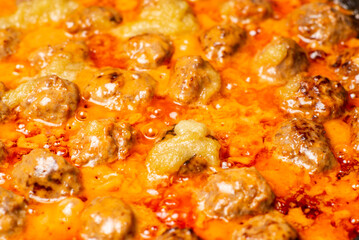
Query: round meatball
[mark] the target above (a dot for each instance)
(193, 80)
(117, 89)
(148, 51)
(9, 40)
(101, 141)
(234, 193)
(50, 99)
(319, 23)
(45, 176)
(281, 59)
(268, 227)
(93, 18)
(315, 98)
(107, 218)
(221, 41)
(346, 65)
(178, 234)
(246, 11)
(303, 143)
(13, 211)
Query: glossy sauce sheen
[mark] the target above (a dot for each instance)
(241, 116)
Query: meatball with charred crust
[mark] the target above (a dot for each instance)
(246, 11)
(316, 98)
(12, 213)
(107, 218)
(234, 193)
(93, 18)
(148, 51)
(270, 226)
(117, 89)
(44, 176)
(50, 100)
(319, 23)
(101, 141)
(9, 40)
(193, 81)
(177, 233)
(281, 59)
(222, 41)
(302, 142)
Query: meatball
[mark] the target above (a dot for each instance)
(189, 150)
(315, 98)
(118, 89)
(9, 40)
(246, 11)
(148, 51)
(45, 176)
(107, 218)
(93, 18)
(346, 64)
(303, 143)
(50, 100)
(178, 234)
(221, 41)
(281, 59)
(13, 211)
(101, 141)
(268, 227)
(319, 23)
(235, 192)
(193, 80)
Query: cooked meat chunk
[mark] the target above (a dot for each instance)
(4, 109)
(50, 99)
(246, 11)
(45, 176)
(269, 227)
(107, 218)
(117, 89)
(281, 59)
(93, 18)
(355, 129)
(178, 234)
(221, 41)
(3, 151)
(65, 60)
(148, 51)
(191, 141)
(319, 23)
(303, 143)
(9, 40)
(235, 192)
(13, 211)
(193, 80)
(315, 98)
(101, 141)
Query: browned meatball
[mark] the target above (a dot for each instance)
(269, 227)
(93, 18)
(303, 143)
(12, 213)
(315, 98)
(45, 176)
(246, 11)
(234, 193)
(281, 59)
(319, 23)
(193, 80)
(178, 234)
(117, 89)
(101, 141)
(9, 40)
(221, 41)
(148, 51)
(107, 218)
